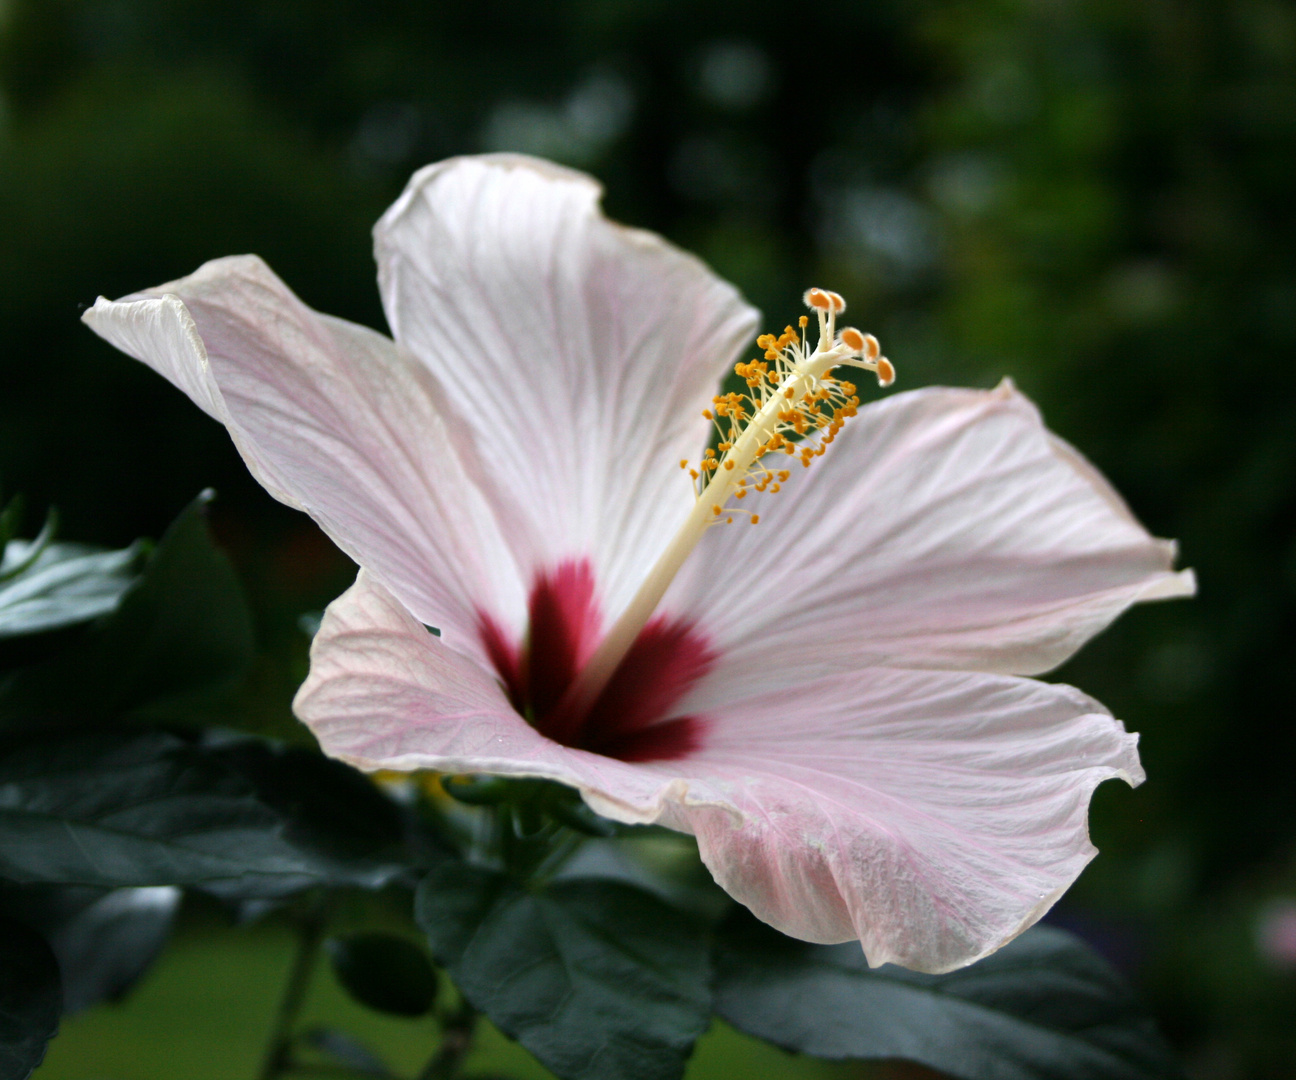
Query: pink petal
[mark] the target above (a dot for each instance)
(579, 353)
(933, 815)
(333, 419)
(943, 528)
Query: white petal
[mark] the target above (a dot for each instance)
(580, 353)
(943, 528)
(932, 815)
(334, 420)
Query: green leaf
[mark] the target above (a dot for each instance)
(238, 819)
(598, 979)
(64, 585)
(384, 972)
(177, 639)
(1044, 1007)
(30, 999)
(104, 939)
(659, 860)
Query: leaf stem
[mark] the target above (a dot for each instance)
(456, 1040)
(278, 1057)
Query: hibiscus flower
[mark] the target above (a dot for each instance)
(810, 657)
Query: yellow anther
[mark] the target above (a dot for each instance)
(729, 464)
(755, 519)
(683, 463)
(716, 510)
(803, 321)
(853, 339)
(818, 299)
(707, 414)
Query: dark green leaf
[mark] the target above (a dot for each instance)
(30, 999)
(598, 979)
(330, 811)
(182, 635)
(65, 584)
(384, 972)
(660, 861)
(104, 940)
(1044, 1007)
(241, 819)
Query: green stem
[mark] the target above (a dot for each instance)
(278, 1057)
(456, 1040)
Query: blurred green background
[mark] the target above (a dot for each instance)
(1091, 196)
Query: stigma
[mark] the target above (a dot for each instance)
(792, 409)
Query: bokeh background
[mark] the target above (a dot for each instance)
(1094, 197)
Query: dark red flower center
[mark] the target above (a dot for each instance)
(634, 718)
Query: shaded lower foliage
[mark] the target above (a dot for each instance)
(238, 819)
(104, 940)
(599, 979)
(30, 999)
(1044, 1007)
